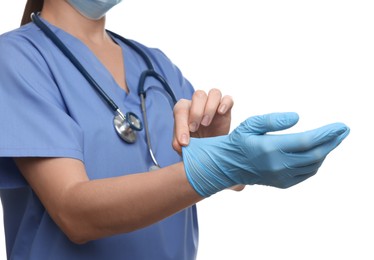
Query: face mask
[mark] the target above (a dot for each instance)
(93, 9)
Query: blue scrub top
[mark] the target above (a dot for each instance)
(47, 109)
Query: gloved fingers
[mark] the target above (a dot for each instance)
(305, 161)
(298, 179)
(300, 170)
(297, 162)
(312, 157)
(322, 150)
(289, 178)
(305, 141)
(268, 123)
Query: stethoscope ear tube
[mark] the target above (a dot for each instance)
(73, 60)
(126, 125)
(150, 72)
(154, 74)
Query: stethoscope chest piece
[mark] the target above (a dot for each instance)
(127, 126)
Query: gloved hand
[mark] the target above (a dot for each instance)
(250, 156)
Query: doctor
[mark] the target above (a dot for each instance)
(72, 189)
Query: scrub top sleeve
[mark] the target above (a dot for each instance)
(34, 120)
(187, 88)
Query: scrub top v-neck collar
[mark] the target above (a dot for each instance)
(133, 66)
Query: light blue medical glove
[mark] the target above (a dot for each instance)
(250, 156)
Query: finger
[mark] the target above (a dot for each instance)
(181, 120)
(321, 151)
(294, 164)
(211, 106)
(239, 187)
(307, 163)
(296, 180)
(226, 105)
(309, 160)
(308, 140)
(197, 109)
(301, 165)
(269, 122)
(291, 176)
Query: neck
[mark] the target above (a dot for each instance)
(64, 16)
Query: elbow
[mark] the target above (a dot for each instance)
(81, 233)
(81, 228)
(77, 239)
(76, 236)
(77, 231)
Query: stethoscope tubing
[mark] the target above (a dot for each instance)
(150, 72)
(48, 32)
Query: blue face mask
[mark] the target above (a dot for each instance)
(93, 9)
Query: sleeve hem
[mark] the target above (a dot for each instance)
(69, 153)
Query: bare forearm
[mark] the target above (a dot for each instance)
(100, 208)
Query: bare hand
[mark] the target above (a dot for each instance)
(206, 115)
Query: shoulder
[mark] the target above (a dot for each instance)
(168, 69)
(21, 47)
(25, 63)
(163, 64)
(20, 37)
(27, 51)
(157, 57)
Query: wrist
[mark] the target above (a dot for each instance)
(204, 175)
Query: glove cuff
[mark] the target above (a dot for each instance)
(202, 172)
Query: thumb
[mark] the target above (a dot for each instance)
(268, 123)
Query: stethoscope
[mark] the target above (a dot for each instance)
(126, 125)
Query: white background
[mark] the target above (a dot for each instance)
(312, 57)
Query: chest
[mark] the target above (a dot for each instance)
(111, 57)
